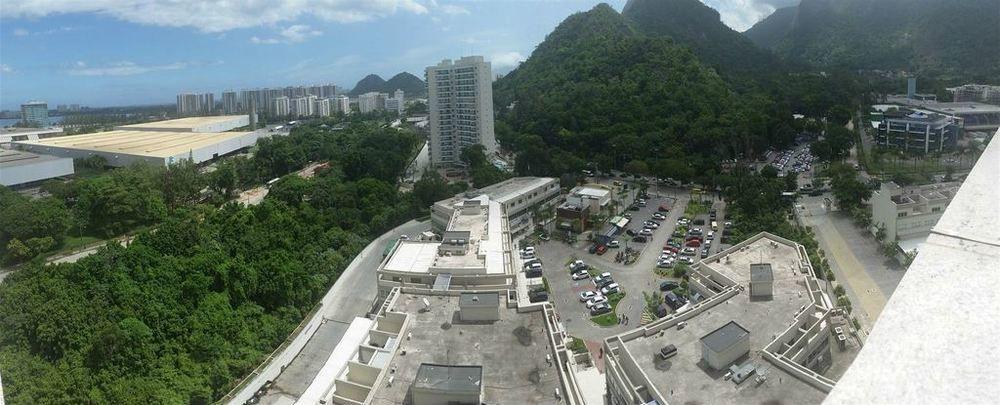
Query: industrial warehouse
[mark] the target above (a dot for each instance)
(19, 168)
(159, 143)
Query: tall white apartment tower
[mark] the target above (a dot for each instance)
(230, 105)
(460, 97)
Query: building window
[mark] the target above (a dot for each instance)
(397, 279)
(415, 280)
(900, 215)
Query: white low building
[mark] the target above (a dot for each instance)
(907, 212)
(20, 168)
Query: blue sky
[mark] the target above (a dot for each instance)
(124, 52)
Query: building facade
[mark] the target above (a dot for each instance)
(194, 104)
(911, 211)
(280, 107)
(321, 107)
(983, 93)
(917, 131)
(343, 104)
(368, 102)
(230, 103)
(35, 113)
(461, 108)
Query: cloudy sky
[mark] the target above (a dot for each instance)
(120, 52)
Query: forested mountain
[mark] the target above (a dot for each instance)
(413, 86)
(693, 24)
(942, 38)
(410, 84)
(597, 90)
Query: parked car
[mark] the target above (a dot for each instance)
(538, 296)
(688, 251)
(663, 208)
(668, 285)
(665, 264)
(602, 280)
(614, 244)
(695, 231)
(597, 299)
(544, 237)
(581, 275)
(577, 265)
(672, 300)
(699, 221)
(687, 260)
(593, 249)
(639, 239)
(587, 295)
(693, 243)
(633, 207)
(710, 236)
(629, 232)
(531, 261)
(610, 289)
(659, 216)
(646, 232)
(601, 249)
(600, 309)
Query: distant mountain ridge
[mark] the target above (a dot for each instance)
(412, 85)
(950, 39)
(693, 24)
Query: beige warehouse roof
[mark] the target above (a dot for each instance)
(143, 143)
(185, 123)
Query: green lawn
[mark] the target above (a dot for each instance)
(610, 318)
(694, 209)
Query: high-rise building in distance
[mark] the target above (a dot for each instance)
(35, 113)
(343, 104)
(280, 107)
(230, 104)
(194, 104)
(460, 97)
(368, 102)
(321, 107)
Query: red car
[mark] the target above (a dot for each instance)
(601, 249)
(663, 208)
(698, 238)
(670, 249)
(693, 243)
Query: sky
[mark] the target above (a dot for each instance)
(131, 52)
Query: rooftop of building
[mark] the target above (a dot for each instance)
(185, 123)
(591, 190)
(477, 224)
(143, 143)
(761, 272)
(922, 193)
(724, 337)
(456, 379)
(12, 158)
(511, 351)
(26, 131)
(906, 114)
(501, 192)
(947, 107)
(686, 378)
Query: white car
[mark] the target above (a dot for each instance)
(728, 224)
(587, 295)
(606, 274)
(688, 251)
(651, 224)
(581, 275)
(646, 232)
(664, 264)
(614, 244)
(578, 265)
(687, 260)
(610, 289)
(710, 236)
(600, 299)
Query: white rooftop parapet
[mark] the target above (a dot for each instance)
(935, 341)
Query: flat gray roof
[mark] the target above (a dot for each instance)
(11, 158)
(459, 379)
(760, 272)
(723, 338)
(479, 300)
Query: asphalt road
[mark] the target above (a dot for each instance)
(353, 295)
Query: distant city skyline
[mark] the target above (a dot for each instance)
(118, 53)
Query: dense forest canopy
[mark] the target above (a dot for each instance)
(600, 90)
(950, 40)
(204, 294)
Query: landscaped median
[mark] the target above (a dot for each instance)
(610, 318)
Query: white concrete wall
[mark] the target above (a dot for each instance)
(38, 171)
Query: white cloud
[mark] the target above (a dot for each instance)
(506, 59)
(123, 68)
(215, 15)
(5, 68)
(452, 9)
(21, 32)
(299, 33)
(265, 41)
(291, 34)
(347, 60)
(742, 14)
(81, 64)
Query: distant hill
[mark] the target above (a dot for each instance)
(949, 39)
(410, 84)
(596, 85)
(693, 24)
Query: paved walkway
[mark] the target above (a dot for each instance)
(866, 296)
